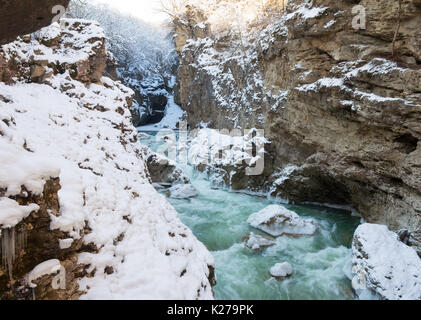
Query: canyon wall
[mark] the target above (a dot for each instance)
(76, 199)
(343, 116)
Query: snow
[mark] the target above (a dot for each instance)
(42, 269)
(389, 268)
(256, 242)
(18, 166)
(329, 24)
(281, 270)
(284, 174)
(11, 213)
(306, 13)
(277, 221)
(55, 130)
(182, 191)
(65, 243)
(322, 83)
(376, 67)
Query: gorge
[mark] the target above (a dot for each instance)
(325, 94)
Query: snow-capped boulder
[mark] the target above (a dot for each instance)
(383, 266)
(281, 270)
(277, 221)
(164, 171)
(182, 191)
(256, 242)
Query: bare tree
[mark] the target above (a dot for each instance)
(173, 8)
(397, 28)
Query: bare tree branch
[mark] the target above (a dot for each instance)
(397, 28)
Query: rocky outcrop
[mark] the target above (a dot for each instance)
(164, 171)
(341, 113)
(23, 17)
(383, 266)
(84, 58)
(153, 102)
(31, 242)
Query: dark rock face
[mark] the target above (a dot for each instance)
(163, 171)
(154, 112)
(24, 16)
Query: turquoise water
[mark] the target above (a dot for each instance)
(218, 218)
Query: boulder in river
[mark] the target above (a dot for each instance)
(163, 170)
(256, 242)
(277, 221)
(281, 270)
(182, 191)
(383, 266)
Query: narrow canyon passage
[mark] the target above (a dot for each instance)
(218, 218)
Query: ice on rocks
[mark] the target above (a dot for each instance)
(182, 191)
(281, 270)
(277, 221)
(257, 242)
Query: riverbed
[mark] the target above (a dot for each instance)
(218, 218)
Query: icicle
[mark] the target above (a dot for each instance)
(10, 244)
(21, 241)
(8, 249)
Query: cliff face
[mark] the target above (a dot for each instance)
(24, 16)
(342, 115)
(75, 191)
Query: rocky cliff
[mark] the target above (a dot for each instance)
(342, 113)
(77, 208)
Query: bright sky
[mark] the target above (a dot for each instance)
(147, 10)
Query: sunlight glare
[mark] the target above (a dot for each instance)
(147, 10)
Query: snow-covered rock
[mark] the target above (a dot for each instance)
(281, 270)
(229, 158)
(257, 242)
(75, 128)
(182, 191)
(277, 221)
(12, 213)
(163, 170)
(42, 269)
(384, 266)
